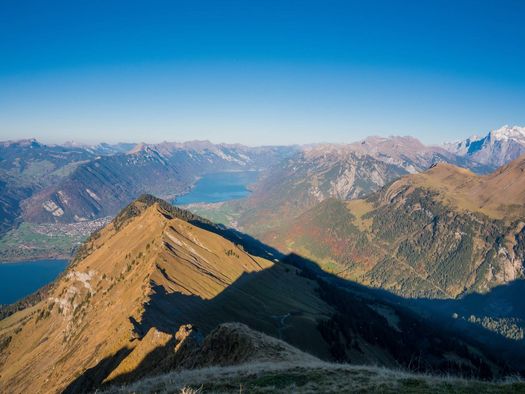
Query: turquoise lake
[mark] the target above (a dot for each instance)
(218, 187)
(20, 279)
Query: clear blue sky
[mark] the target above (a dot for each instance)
(259, 72)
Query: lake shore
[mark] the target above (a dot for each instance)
(34, 258)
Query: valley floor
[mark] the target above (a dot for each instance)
(31, 241)
(310, 377)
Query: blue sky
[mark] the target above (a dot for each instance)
(259, 72)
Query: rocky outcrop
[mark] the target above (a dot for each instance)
(236, 343)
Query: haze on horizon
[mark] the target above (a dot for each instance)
(261, 72)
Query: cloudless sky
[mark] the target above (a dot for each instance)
(259, 72)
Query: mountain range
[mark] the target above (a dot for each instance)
(340, 171)
(102, 186)
(79, 188)
(80, 185)
(384, 252)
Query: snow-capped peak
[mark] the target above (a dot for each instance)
(496, 148)
(508, 132)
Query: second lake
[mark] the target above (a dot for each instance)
(218, 187)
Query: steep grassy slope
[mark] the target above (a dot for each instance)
(498, 195)
(145, 271)
(10, 196)
(137, 282)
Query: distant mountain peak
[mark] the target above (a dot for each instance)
(24, 143)
(495, 149)
(392, 139)
(508, 132)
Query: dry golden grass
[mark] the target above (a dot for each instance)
(359, 208)
(311, 377)
(152, 263)
(500, 195)
(86, 317)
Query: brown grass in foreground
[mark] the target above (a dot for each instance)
(310, 377)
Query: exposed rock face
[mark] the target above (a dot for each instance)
(304, 180)
(408, 153)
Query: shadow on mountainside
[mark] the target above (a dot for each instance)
(332, 318)
(93, 377)
(495, 319)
